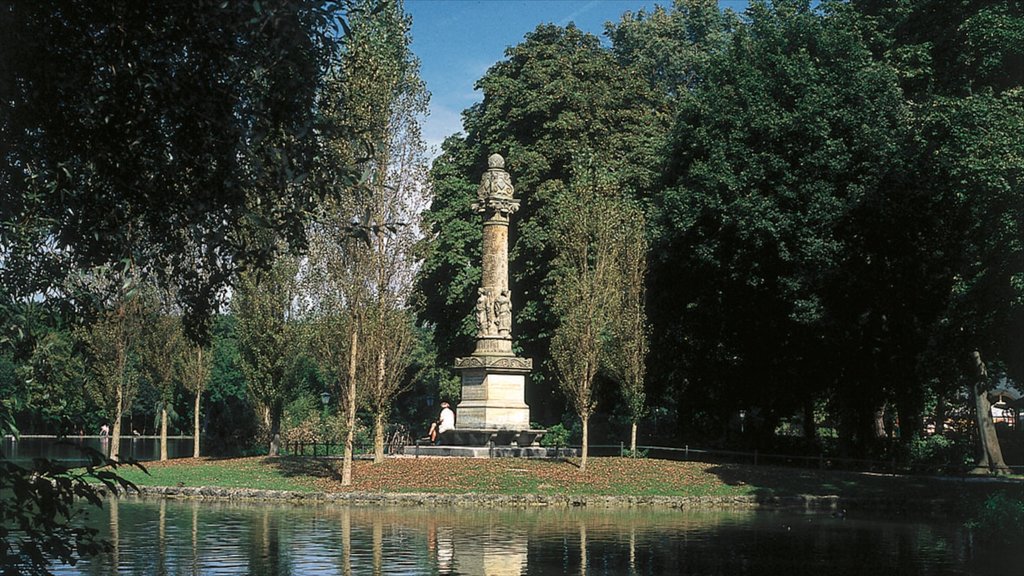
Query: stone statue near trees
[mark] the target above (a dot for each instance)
(493, 377)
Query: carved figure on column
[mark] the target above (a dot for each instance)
(484, 314)
(503, 313)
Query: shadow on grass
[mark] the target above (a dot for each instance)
(305, 467)
(950, 494)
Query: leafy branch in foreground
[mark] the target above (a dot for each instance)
(40, 511)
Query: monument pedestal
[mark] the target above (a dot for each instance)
(493, 392)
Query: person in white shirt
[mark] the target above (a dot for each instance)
(445, 422)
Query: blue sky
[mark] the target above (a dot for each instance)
(458, 40)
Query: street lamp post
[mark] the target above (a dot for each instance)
(325, 399)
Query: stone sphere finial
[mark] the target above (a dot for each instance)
(495, 161)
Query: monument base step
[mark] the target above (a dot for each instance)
(490, 437)
(489, 452)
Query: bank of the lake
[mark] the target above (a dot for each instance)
(607, 482)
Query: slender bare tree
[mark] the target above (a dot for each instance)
(193, 369)
(112, 342)
(586, 291)
(626, 351)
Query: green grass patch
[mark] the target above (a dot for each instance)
(604, 476)
(236, 473)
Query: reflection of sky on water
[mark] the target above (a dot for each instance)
(191, 537)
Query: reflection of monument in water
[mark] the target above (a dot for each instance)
(483, 551)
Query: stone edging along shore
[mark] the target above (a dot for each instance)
(809, 502)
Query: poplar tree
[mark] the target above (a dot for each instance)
(193, 368)
(365, 245)
(587, 236)
(112, 342)
(268, 339)
(627, 345)
(161, 345)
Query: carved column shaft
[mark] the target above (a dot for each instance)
(495, 254)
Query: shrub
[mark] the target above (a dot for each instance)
(556, 436)
(938, 452)
(1000, 521)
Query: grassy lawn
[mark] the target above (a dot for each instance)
(232, 473)
(604, 476)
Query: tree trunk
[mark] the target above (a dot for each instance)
(195, 424)
(378, 437)
(940, 416)
(350, 407)
(585, 449)
(879, 423)
(810, 427)
(163, 432)
(115, 430)
(275, 430)
(632, 438)
(378, 417)
(989, 456)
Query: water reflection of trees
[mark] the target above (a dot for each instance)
(197, 537)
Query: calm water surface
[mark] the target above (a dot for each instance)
(188, 537)
(141, 448)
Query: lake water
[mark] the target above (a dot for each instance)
(188, 537)
(141, 448)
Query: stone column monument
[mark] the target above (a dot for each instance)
(493, 378)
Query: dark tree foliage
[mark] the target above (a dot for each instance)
(161, 135)
(952, 47)
(833, 192)
(781, 152)
(178, 141)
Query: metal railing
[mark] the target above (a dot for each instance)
(756, 458)
(393, 444)
(685, 453)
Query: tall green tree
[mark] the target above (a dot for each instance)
(960, 63)
(790, 132)
(160, 347)
(268, 339)
(588, 232)
(336, 267)
(163, 136)
(363, 259)
(627, 345)
(193, 368)
(974, 160)
(395, 177)
(112, 342)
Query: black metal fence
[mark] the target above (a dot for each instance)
(393, 444)
(893, 466)
(757, 458)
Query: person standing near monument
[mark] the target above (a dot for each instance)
(445, 422)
